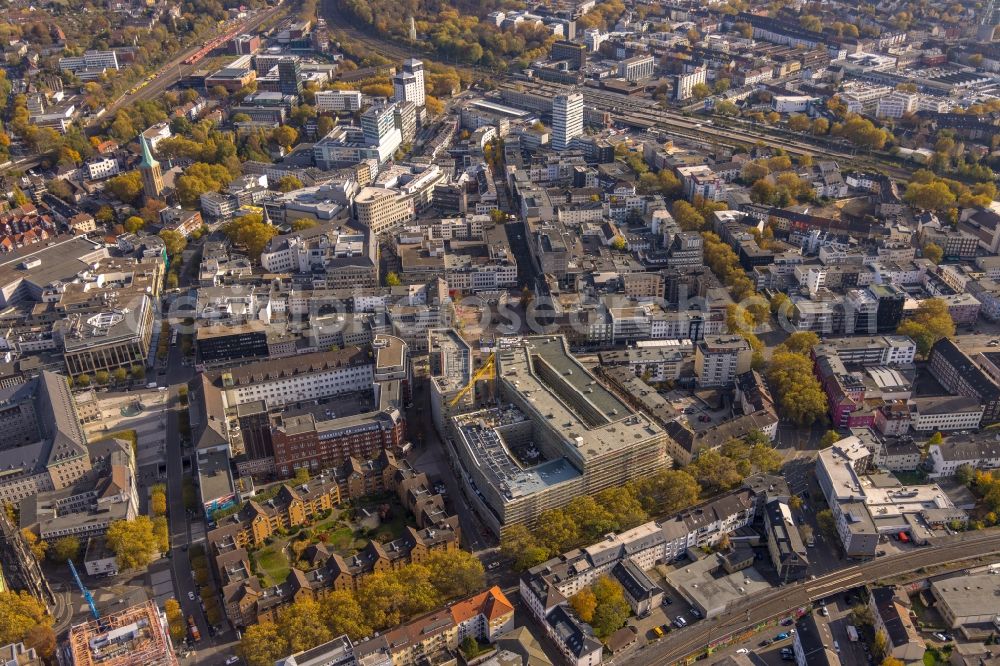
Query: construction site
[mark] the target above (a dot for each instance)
(131, 637)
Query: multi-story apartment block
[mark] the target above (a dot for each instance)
(959, 374)
(338, 100)
(718, 359)
(975, 452)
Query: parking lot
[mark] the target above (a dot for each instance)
(698, 413)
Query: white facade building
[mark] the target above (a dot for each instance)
(99, 168)
(408, 85)
(338, 100)
(567, 120)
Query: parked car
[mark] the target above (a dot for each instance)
(782, 636)
(941, 637)
(191, 595)
(680, 622)
(696, 613)
(787, 622)
(765, 642)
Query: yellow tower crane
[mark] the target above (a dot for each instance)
(486, 371)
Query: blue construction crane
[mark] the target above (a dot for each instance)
(84, 591)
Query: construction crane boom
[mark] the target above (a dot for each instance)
(486, 368)
(84, 591)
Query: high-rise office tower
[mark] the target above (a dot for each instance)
(290, 76)
(567, 119)
(408, 85)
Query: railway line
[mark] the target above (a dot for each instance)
(786, 599)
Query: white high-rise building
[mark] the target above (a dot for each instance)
(408, 85)
(567, 119)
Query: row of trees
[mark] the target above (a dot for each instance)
(944, 195)
(798, 393)
(384, 599)
(588, 518)
(25, 619)
(103, 377)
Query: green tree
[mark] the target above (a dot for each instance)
(519, 545)
(827, 524)
(700, 91)
(392, 279)
(174, 241)
(668, 491)
(930, 323)
(800, 342)
(21, 617)
(343, 614)
(289, 183)
(593, 519)
(584, 603)
(303, 625)
(611, 610)
(830, 437)
(263, 644)
(132, 542)
(618, 244)
(101, 377)
(64, 548)
(556, 530)
(37, 546)
(126, 187)
(933, 252)
(687, 216)
(714, 471)
(119, 374)
(250, 232)
(455, 573)
(798, 393)
(175, 620)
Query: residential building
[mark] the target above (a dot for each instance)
(718, 359)
(945, 413)
(976, 452)
(101, 167)
(959, 374)
(637, 68)
(788, 554)
(891, 613)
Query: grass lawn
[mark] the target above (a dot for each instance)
(343, 541)
(393, 529)
(272, 563)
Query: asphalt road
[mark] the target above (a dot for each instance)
(696, 636)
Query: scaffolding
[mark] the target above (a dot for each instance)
(136, 636)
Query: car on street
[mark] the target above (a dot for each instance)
(743, 651)
(696, 613)
(680, 622)
(191, 595)
(941, 637)
(787, 622)
(667, 601)
(824, 612)
(765, 642)
(232, 660)
(782, 636)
